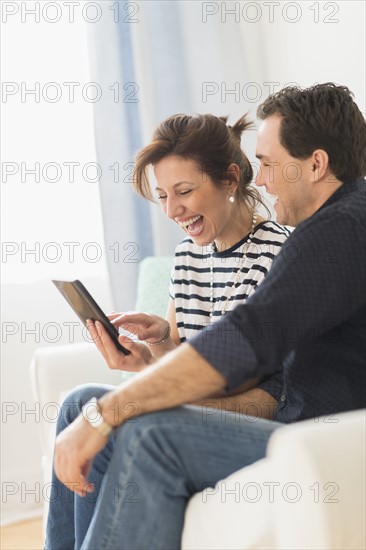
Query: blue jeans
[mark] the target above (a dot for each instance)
(146, 474)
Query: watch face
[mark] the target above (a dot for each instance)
(91, 412)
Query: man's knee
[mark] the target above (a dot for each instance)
(153, 429)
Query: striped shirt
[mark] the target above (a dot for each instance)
(190, 285)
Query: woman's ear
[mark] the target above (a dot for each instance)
(232, 177)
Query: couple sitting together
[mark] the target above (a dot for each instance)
(259, 319)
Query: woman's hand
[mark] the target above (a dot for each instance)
(151, 328)
(154, 330)
(139, 358)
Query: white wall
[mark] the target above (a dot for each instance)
(326, 44)
(283, 42)
(41, 217)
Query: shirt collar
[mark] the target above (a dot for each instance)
(344, 190)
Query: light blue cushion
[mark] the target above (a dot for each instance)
(153, 284)
(153, 288)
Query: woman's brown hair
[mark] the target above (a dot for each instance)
(207, 140)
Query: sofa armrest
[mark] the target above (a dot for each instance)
(233, 515)
(320, 467)
(307, 493)
(56, 370)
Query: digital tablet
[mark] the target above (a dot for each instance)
(86, 307)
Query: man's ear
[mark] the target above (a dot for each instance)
(319, 164)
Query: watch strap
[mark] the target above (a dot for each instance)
(92, 413)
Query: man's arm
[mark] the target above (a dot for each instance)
(182, 376)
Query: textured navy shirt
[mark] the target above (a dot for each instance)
(308, 315)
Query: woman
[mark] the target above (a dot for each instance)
(203, 184)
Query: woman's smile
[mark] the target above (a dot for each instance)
(194, 226)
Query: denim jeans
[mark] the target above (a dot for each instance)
(146, 474)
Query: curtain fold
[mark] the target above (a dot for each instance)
(126, 217)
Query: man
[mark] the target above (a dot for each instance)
(308, 314)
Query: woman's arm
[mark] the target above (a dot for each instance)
(169, 326)
(170, 315)
(253, 403)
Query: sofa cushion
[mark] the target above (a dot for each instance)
(153, 284)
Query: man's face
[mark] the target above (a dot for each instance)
(283, 176)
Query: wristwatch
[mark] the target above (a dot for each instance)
(92, 413)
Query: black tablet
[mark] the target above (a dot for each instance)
(86, 307)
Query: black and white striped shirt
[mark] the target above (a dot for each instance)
(191, 285)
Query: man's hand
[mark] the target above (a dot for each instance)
(75, 449)
(139, 358)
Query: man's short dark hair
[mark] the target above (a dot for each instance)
(323, 116)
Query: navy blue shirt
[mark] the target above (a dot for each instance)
(308, 315)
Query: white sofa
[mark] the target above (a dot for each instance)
(308, 493)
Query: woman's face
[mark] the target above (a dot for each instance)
(190, 198)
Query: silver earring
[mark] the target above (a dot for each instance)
(231, 199)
